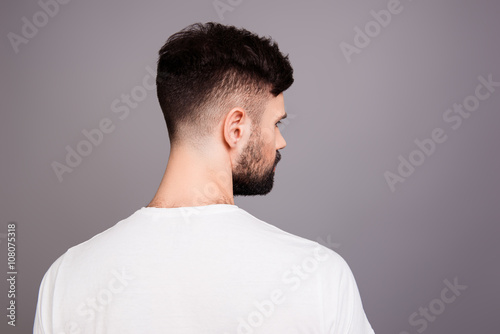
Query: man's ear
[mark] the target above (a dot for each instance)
(236, 126)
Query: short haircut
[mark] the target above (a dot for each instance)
(205, 70)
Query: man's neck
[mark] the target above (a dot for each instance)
(193, 180)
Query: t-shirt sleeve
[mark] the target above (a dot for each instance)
(42, 322)
(344, 313)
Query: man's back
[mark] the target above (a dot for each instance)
(205, 269)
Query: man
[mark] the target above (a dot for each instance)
(192, 261)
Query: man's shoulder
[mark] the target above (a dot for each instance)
(91, 248)
(296, 248)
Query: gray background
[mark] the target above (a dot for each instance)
(348, 124)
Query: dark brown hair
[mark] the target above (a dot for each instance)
(204, 70)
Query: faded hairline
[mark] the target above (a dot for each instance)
(234, 90)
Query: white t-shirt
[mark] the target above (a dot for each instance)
(204, 269)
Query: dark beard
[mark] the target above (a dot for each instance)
(249, 177)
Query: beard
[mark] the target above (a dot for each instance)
(252, 177)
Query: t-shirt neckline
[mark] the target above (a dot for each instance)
(201, 208)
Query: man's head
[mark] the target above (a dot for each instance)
(222, 84)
